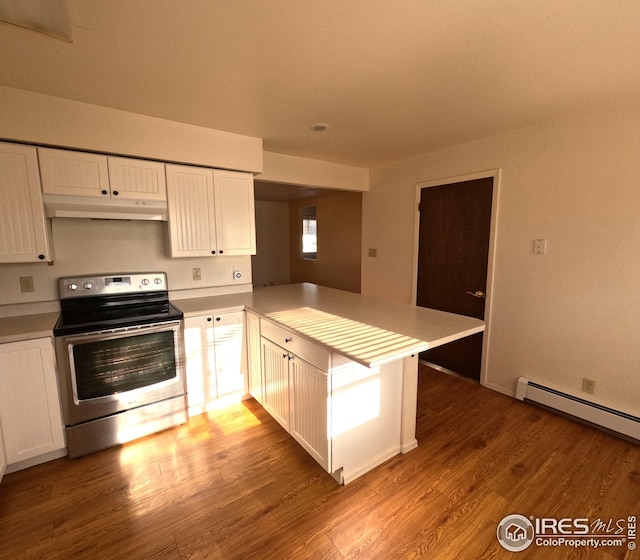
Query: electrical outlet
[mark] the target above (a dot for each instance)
(197, 275)
(26, 284)
(237, 273)
(588, 386)
(539, 246)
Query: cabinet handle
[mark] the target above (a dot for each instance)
(221, 251)
(213, 252)
(217, 318)
(105, 192)
(288, 340)
(115, 193)
(41, 257)
(208, 318)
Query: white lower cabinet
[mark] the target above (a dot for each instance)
(345, 415)
(296, 394)
(254, 359)
(3, 457)
(30, 413)
(275, 393)
(309, 394)
(215, 353)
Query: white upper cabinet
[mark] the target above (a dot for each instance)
(211, 212)
(137, 179)
(235, 212)
(23, 226)
(73, 173)
(65, 172)
(192, 228)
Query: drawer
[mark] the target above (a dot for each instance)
(303, 348)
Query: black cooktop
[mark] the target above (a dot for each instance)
(100, 319)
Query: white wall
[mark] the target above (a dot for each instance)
(26, 116)
(294, 170)
(85, 246)
(270, 264)
(572, 313)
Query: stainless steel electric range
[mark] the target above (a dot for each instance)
(120, 351)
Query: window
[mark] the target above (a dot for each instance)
(309, 232)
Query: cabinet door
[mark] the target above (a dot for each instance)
(275, 368)
(3, 457)
(235, 212)
(309, 410)
(24, 232)
(228, 340)
(200, 363)
(137, 179)
(29, 400)
(192, 230)
(254, 365)
(73, 173)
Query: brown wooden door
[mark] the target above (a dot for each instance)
(455, 222)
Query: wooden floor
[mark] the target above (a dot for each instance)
(234, 485)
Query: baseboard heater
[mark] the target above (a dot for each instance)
(593, 413)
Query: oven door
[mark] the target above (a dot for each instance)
(103, 373)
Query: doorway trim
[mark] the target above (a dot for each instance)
(495, 174)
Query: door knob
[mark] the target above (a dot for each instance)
(477, 294)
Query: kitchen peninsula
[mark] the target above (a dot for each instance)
(338, 370)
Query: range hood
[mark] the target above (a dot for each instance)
(63, 206)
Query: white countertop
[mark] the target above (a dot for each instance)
(24, 327)
(368, 330)
(339, 326)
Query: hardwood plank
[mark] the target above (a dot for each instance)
(232, 484)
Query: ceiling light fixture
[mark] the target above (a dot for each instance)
(319, 127)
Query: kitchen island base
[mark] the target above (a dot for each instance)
(338, 370)
(349, 417)
(366, 413)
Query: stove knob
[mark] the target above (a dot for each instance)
(88, 285)
(72, 287)
(158, 280)
(145, 282)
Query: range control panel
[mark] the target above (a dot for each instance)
(82, 286)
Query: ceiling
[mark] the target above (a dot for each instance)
(392, 79)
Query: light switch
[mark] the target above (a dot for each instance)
(539, 246)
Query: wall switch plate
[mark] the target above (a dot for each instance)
(237, 273)
(197, 274)
(539, 246)
(373, 252)
(26, 284)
